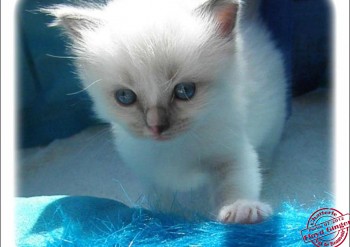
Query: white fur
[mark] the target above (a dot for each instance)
(241, 122)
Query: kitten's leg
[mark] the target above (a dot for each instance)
(237, 187)
(268, 148)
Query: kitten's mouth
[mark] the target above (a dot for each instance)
(161, 138)
(167, 135)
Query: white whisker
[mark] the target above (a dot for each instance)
(85, 88)
(168, 83)
(65, 57)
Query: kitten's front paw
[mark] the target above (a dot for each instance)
(244, 212)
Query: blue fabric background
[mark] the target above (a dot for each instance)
(300, 27)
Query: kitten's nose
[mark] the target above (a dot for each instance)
(158, 129)
(157, 120)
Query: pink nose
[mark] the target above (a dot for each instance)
(158, 129)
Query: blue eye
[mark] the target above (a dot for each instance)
(125, 96)
(185, 90)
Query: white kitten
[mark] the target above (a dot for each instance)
(194, 91)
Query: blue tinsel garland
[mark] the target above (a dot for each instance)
(87, 221)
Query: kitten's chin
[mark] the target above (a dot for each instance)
(146, 134)
(162, 137)
(159, 137)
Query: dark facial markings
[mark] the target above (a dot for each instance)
(166, 118)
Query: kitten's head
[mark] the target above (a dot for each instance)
(151, 66)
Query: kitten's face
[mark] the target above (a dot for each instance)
(155, 76)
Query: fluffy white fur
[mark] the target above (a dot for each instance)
(235, 119)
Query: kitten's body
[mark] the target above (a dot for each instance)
(246, 119)
(235, 118)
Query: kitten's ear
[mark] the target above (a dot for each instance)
(224, 12)
(74, 20)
